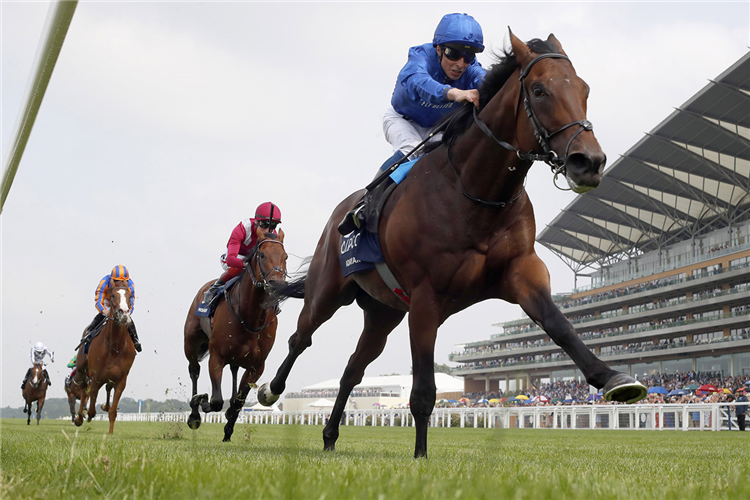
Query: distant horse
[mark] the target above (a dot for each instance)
(110, 356)
(73, 392)
(460, 229)
(242, 334)
(35, 390)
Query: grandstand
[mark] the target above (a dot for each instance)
(665, 243)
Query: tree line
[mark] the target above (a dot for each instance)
(58, 407)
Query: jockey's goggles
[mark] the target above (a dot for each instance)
(267, 224)
(454, 54)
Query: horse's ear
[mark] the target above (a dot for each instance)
(281, 235)
(522, 51)
(554, 41)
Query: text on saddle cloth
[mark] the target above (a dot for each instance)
(359, 251)
(207, 310)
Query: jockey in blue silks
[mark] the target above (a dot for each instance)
(434, 79)
(436, 76)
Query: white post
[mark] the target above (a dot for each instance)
(57, 24)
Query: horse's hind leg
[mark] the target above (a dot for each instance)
(94, 391)
(325, 292)
(380, 320)
(194, 420)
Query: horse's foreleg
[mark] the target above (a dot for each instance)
(379, 322)
(423, 325)
(39, 406)
(108, 390)
(248, 380)
(234, 369)
(72, 405)
(119, 388)
(93, 392)
(27, 409)
(531, 285)
(216, 366)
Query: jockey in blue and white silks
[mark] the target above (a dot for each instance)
(435, 77)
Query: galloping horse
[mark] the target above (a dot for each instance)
(243, 331)
(110, 356)
(35, 390)
(460, 229)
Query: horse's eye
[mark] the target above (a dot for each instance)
(261, 256)
(538, 90)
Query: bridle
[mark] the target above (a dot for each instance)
(261, 283)
(550, 157)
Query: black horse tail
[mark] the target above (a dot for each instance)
(279, 291)
(283, 290)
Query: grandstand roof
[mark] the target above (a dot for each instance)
(688, 176)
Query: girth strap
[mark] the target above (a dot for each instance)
(390, 280)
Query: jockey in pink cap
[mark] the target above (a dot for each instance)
(241, 242)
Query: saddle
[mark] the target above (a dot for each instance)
(86, 340)
(207, 310)
(360, 249)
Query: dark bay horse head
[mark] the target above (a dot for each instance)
(119, 299)
(554, 98)
(37, 376)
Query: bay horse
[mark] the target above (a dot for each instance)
(242, 334)
(35, 390)
(73, 393)
(110, 356)
(460, 229)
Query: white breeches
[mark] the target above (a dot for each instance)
(403, 134)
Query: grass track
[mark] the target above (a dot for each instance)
(167, 460)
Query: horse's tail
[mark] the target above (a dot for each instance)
(278, 292)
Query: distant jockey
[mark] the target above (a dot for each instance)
(241, 243)
(37, 354)
(436, 76)
(101, 301)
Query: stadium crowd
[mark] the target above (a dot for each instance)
(682, 386)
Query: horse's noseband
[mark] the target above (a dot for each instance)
(550, 157)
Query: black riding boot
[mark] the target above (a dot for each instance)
(25, 379)
(49, 382)
(354, 219)
(95, 323)
(134, 336)
(210, 294)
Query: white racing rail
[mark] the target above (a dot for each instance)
(685, 417)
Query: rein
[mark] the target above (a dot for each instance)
(550, 157)
(262, 283)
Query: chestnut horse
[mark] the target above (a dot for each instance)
(35, 390)
(242, 334)
(460, 229)
(109, 359)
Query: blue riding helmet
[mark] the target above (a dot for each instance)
(459, 29)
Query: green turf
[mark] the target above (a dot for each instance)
(167, 460)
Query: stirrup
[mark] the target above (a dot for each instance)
(354, 219)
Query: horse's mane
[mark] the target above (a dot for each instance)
(494, 80)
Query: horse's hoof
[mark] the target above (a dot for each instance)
(625, 389)
(216, 404)
(105, 407)
(227, 439)
(194, 421)
(265, 396)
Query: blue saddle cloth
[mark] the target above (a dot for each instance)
(207, 310)
(360, 250)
